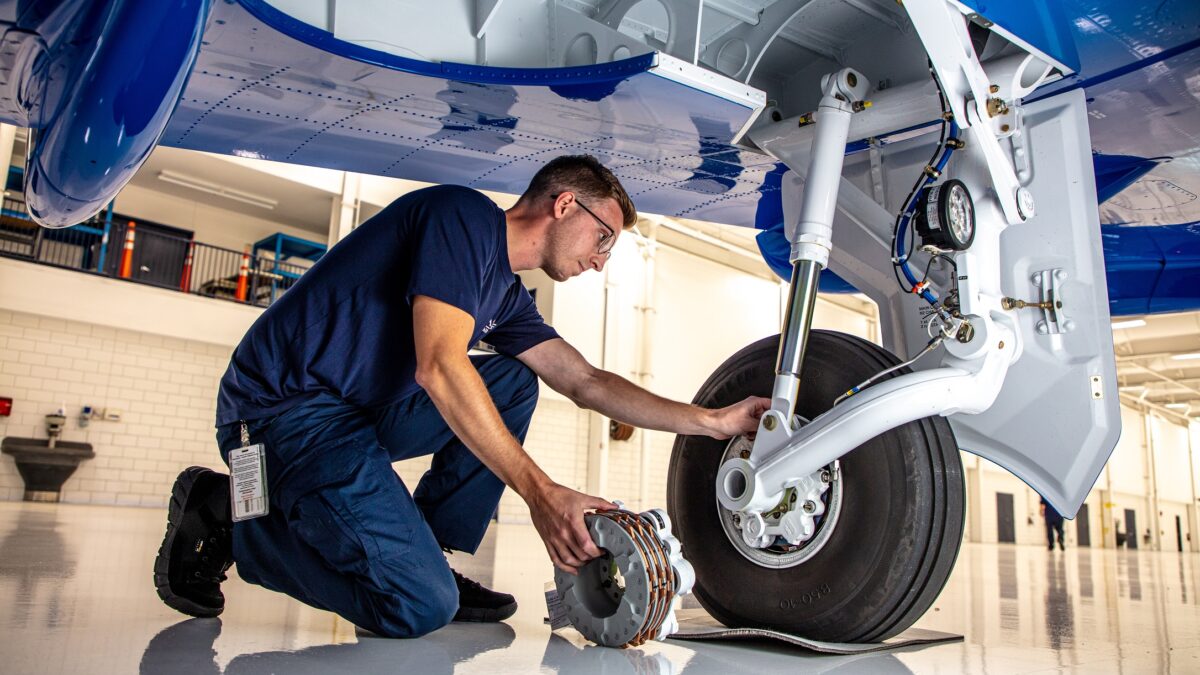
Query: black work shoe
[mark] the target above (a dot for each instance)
(481, 605)
(198, 546)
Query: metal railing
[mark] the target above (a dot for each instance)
(119, 250)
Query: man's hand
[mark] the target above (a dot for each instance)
(738, 419)
(557, 513)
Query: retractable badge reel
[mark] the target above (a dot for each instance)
(247, 479)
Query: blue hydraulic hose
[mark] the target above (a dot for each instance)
(909, 209)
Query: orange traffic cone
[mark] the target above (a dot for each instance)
(243, 276)
(127, 253)
(185, 279)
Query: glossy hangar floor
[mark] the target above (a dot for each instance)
(76, 597)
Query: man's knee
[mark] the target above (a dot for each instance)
(415, 615)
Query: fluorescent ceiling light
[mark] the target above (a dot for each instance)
(1186, 357)
(1177, 406)
(1132, 323)
(217, 189)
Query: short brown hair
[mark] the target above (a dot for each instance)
(587, 178)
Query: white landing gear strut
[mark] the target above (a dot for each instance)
(980, 340)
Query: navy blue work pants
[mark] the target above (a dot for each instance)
(343, 533)
(1055, 526)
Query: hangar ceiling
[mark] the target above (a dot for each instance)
(1158, 362)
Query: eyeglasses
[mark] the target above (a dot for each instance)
(609, 239)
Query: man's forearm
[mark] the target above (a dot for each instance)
(613, 396)
(464, 402)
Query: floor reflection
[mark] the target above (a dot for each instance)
(188, 647)
(1006, 572)
(34, 554)
(1060, 617)
(713, 658)
(1183, 586)
(76, 596)
(1086, 589)
(1130, 572)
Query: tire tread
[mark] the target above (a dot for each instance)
(939, 550)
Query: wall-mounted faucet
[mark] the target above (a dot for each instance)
(54, 427)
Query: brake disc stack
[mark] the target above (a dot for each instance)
(627, 596)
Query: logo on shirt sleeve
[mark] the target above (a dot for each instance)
(487, 328)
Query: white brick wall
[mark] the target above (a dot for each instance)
(557, 441)
(166, 390)
(164, 387)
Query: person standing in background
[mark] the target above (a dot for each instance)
(1054, 523)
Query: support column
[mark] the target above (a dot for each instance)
(974, 500)
(649, 311)
(598, 446)
(1152, 482)
(1194, 503)
(343, 216)
(8, 137)
(1192, 544)
(1108, 535)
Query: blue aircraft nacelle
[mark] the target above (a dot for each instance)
(96, 82)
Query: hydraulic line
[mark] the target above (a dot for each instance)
(933, 343)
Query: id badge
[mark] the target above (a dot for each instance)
(248, 482)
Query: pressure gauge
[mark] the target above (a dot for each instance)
(946, 216)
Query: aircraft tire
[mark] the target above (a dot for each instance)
(893, 544)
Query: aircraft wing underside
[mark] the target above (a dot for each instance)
(258, 92)
(269, 86)
(253, 81)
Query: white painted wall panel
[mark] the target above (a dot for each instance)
(1171, 460)
(1127, 466)
(1194, 449)
(706, 313)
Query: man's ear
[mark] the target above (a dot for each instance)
(561, 203)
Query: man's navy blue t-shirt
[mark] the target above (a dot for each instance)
(346, 327)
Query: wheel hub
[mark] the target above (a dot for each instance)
(796, 528)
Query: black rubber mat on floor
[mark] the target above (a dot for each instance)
(696, 624)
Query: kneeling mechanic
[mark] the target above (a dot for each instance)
(364, 362)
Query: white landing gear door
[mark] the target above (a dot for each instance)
(1057, 418)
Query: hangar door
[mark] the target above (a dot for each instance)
(1006, 532)
(1083, 530)
(1131, 531)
